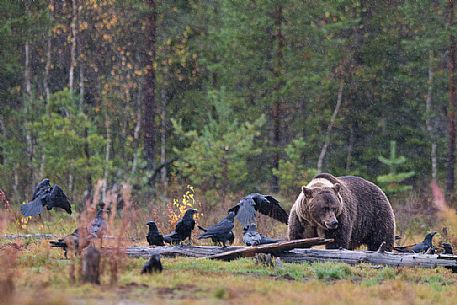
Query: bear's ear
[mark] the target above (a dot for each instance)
(337, 187)
(308, 192)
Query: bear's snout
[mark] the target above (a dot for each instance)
(332, 225)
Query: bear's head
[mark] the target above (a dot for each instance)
(322, 206)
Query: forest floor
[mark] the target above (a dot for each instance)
(33, 273)
(41, 276)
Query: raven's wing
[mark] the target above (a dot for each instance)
(268, 205)
(245, 211)
(41, 188)
(58, 199)
(32, 208)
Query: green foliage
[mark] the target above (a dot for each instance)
(64, 132)
(292, 172)
(392, 182)
(217, 155)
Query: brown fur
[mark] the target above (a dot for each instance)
(362, 210)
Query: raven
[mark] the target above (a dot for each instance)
(245, 210)
(153, 265)
(447, 249)
(420, 247)
(183, 228)
(45, 195)
(230, 240)
(253, 238)
(98, 225)
(154, 237)
(222, 231)
(71, 241)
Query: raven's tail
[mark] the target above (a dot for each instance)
(58, 244)
(32, 208)
(201, 228)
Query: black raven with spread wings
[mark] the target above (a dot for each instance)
(222, 231)
(245, 211)
(46, 195)
(183, 228)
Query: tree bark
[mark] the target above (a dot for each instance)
(276, 110)
(73, 45)
(149, 89)
(452, 103)
(27, 104)
(330, 127)
(136, 132)
(163, 138)
(47, 67)
(428, 114)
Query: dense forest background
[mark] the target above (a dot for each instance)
(229, 97)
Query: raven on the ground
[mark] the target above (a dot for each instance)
(154, 237)
(183, 229)
(74, 241)
(245, 210)
(253, 238)
(71, 241)
(153, 265)
(230, 240)
(447, 248)
(420, 247)
(98, 225)
(45, 195)
(222, 231)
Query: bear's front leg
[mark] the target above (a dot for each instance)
(295, 229)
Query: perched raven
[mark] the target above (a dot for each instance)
(98, 225)
(45, 195)
(420, 247)
(230, 240)
(154, 237)
(183, 228)
(222, 231)
(76, 242)
(253, 238)
(447, 248)
(153, 265)
(245, 210)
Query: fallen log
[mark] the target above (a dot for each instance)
(29, 236)
(227, 253)
(376, 258)
(276, 249)
(304, 255)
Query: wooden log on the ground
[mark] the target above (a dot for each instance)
(191, 251)
(376, 258)
(227, 253)
(29, 236)
(276, 249)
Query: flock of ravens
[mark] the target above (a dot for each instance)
(220, 233)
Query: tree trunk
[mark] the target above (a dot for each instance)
(330, 127)
(47, 67)
(80, 63)
(451, 66)
(349, 149)
(73, 46)
(88, 175)
(136, 132)
(163, 137)
(149, 89)
(428, 114)
(28, 111)
(276, 110)
(107, 154)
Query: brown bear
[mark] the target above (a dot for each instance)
(351, 210)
